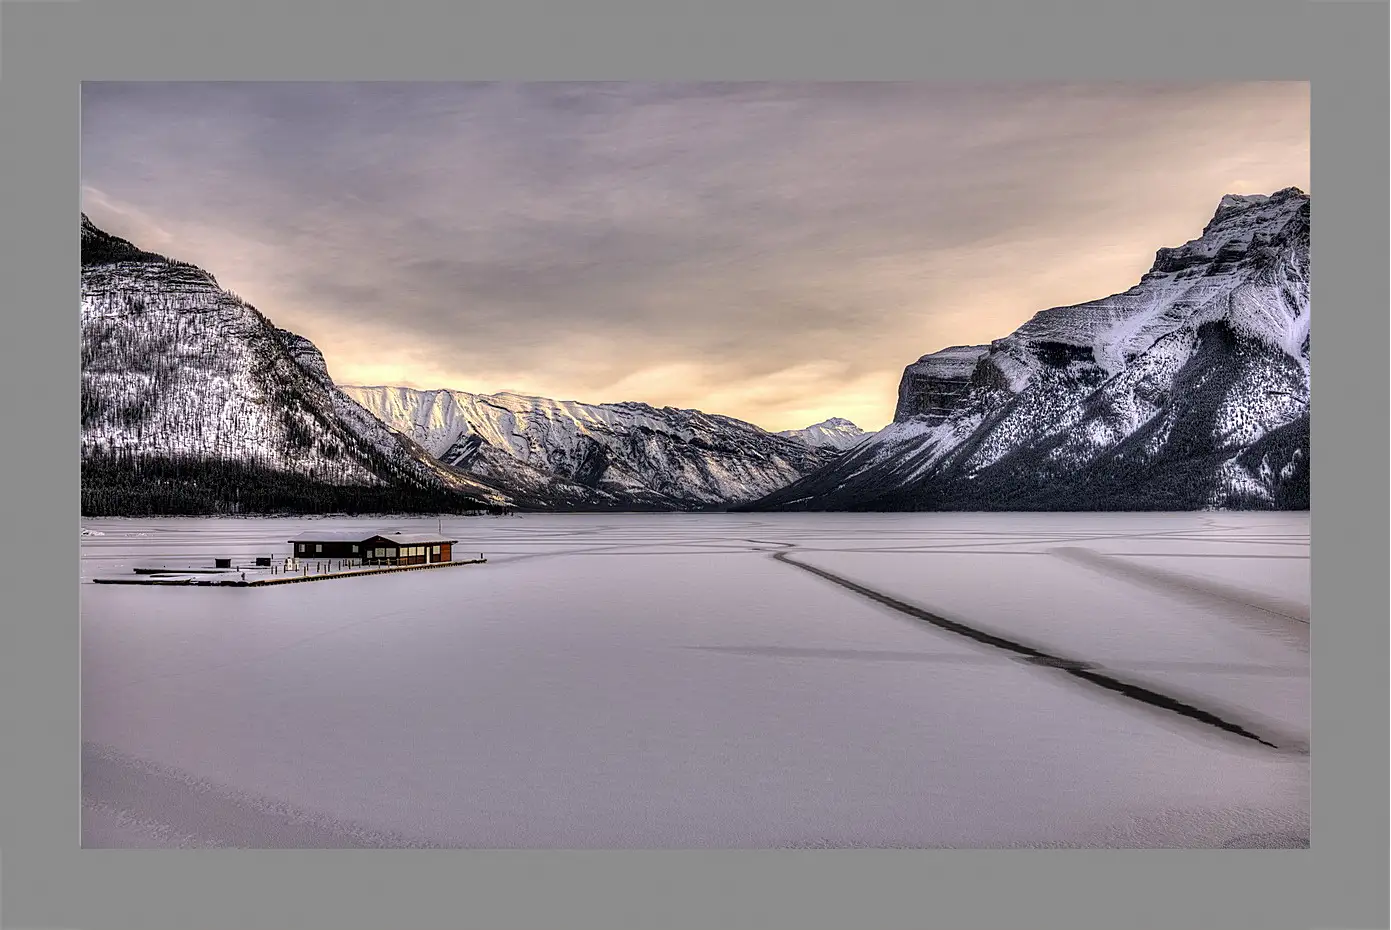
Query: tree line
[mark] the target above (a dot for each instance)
(127, 484)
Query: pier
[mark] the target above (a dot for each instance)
(217, 577)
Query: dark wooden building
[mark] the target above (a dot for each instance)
(407, 549)
(397, 548)
(328, 545)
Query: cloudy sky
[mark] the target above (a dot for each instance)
(775, 252)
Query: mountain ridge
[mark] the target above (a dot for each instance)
(194, 402)
(1189, 390)
(611, 455)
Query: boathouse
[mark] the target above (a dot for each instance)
(328, 545)
(386, 548)
(407, 549)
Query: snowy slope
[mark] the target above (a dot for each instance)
(1189, 390)
(189, 393)
(569, 454)
(837, 434)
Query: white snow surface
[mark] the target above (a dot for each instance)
(660, 681)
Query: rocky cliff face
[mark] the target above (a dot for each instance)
(565, 454)
(935, 385)
(1189, 390)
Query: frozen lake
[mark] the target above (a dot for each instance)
(676, 680)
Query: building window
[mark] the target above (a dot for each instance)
(435, 550)
(354, 548)
(318, 547)
(301, 547)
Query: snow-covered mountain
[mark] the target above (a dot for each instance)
(566, 454)
(192, 401)
(836, 434)
(1188, 391)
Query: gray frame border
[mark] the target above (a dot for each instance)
(47, 46)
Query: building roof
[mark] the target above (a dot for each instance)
(348, 536)
(333, 536)
(413, 539)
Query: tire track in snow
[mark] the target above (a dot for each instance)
(1210, 592)
(1079, 669)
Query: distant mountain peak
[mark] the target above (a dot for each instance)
(1231, 202)
(1265, 209)
(836, 434)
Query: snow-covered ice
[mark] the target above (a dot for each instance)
(662, 681)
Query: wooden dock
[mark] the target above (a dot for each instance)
(201, 577)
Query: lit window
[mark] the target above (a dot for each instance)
(354, 547)
(301, 547)
(318, 547)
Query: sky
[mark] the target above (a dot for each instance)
(772, 252)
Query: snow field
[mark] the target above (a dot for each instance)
(661, 681)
